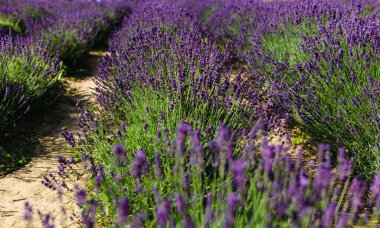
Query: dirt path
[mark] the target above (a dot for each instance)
(24, 185)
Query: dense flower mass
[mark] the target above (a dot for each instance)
(339, 86)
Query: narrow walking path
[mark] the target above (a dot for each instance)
(24, 185)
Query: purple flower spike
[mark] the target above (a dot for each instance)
(232, 203)
(375, 191)
(180, 202)
(209, 213)
(123, 210)
(119, 150)
(163, 213)
(328, 217)
(180, 141)
(238, 171)
(81, 197)
(28, 212)
(69, 137)
(140, 166)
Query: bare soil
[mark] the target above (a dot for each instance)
(24, 184)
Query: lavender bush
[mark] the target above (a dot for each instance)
(187, 183)
(336, 93)
(164, 74)
(74, 32)
(315, 54)
(320, 63)
(135, 97)
(275, 26)
(19, 15)
(26, 73)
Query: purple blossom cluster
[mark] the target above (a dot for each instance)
(161, 14)
(243, 23)
(169, 69)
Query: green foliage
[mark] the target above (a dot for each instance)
(15, 24)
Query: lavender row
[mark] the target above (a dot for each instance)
(163, 75)
(69, 28)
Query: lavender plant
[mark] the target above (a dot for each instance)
(9, 19)
(321, 51)
(162, 75)
(336, 93)
(134, 86)
(191, 184)
(26, 73)
(136, 92)
(20, 14)
(25, 62)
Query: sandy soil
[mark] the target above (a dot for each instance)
(24, 185)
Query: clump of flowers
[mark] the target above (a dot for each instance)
(165, 75)
(193, 184)
(321, 57)
(336, 92)
(330, 79)
(27, 72)
(171, 73)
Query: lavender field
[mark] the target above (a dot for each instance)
(190, 113)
